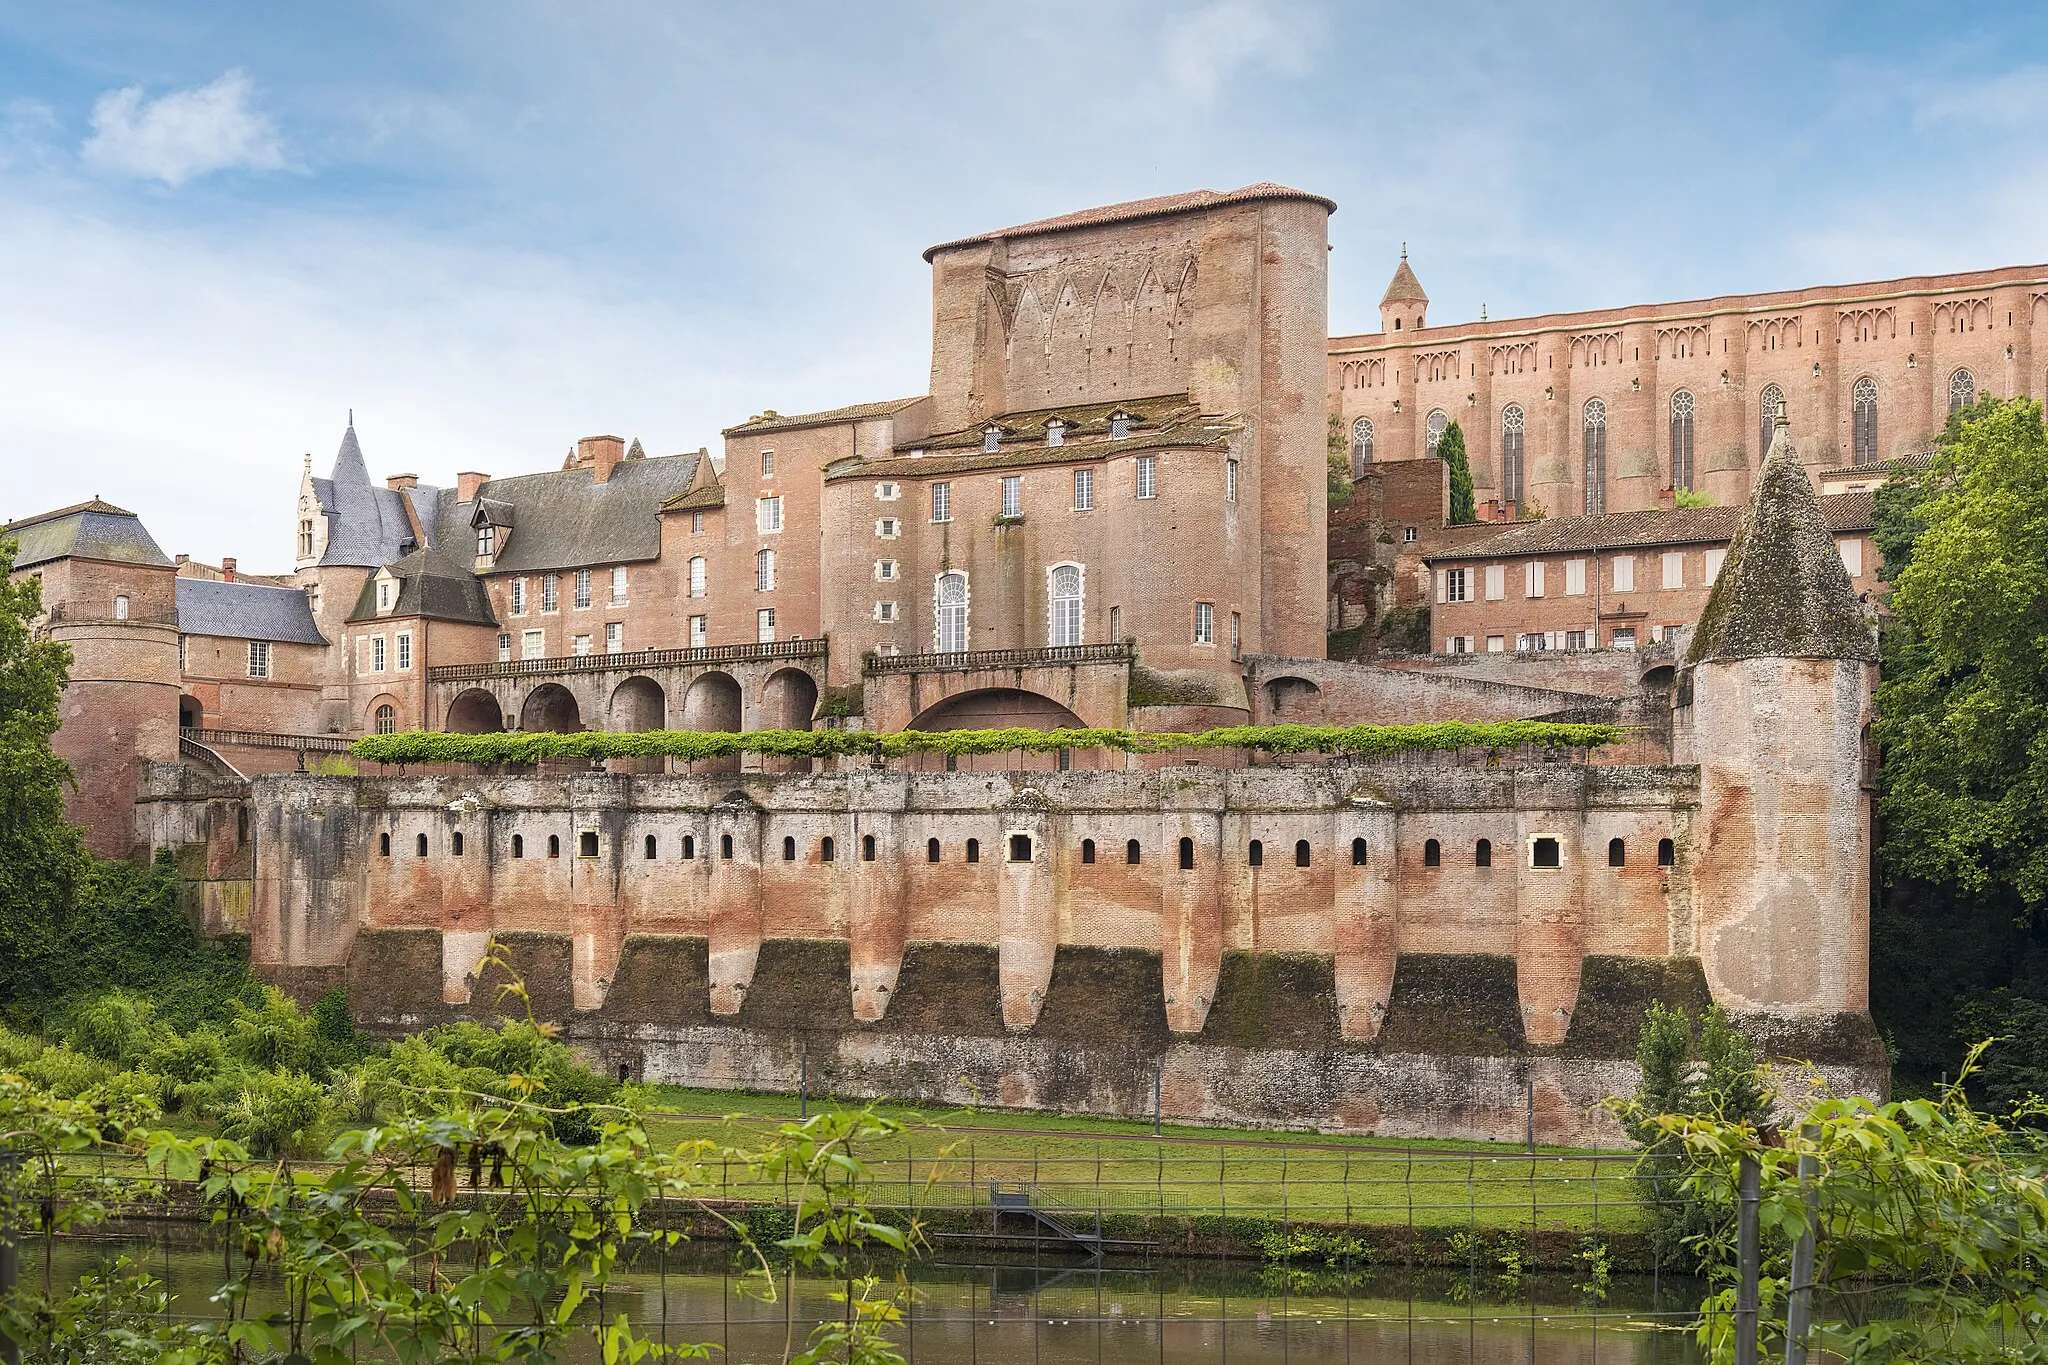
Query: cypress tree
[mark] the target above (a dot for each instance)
(1450, 448)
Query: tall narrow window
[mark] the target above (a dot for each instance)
(1513, 426)
(1768, 407)
(1681, 439)
(1230, 480)
(1119, 425)
(519, 597)
(942, 502)
(700, 632)
(767, 464)
(306, 540)
(1433, 430)
(614, 637)
(1302, 854)
(120, 606)
(767, 515)
(582, 589)
(1187, 854)
(992, 439)
(618, 584)
(486, 540)
(259, 658)
(764, 571)
(550, 592)
(1205, 623)
(387, 720)
(1962, 390)
(697, 576)
(1361, 447)
(1066, 604)
(1084, 490)
(1132, 854)
(952, 613)
(1863, 426)
(1013, 495)
(404, 651)
(1148, 476)
(504, 649)
(1055, 432)
(764, 625)
(1596, 457)
(377, 654)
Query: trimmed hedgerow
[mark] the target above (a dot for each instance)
(428, 746)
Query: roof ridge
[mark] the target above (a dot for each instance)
(1131, 210)
(93, 504)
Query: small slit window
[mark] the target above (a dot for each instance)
(725, 846)
(1482, 853)
(1544, 851)
(384, 846)
(1187, 853)
(974, 850)
(826, 851)
(689, 847)
(519, 845)
(788, 849)
(931, 850)
(1256, 854)
(586, 846)
(419, 845)
(1358, 853)
(652, 846)
(1432, 854)
(1302, 854)
(1132, 854)
(867, 848)
(455, 843)
(554, 845)
(1617, 853)
(1020, 848)
(1088, 852)
(1667, 853)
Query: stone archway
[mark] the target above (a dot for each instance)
(191, 715)
(638, 704)
(714, 703)
(997, 708)
(1292, 699)
(551, 707)
(474, 712)
(789, 699)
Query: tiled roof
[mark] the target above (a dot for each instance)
(1135, 209)
(1082, 420)
(1842, 512)
(246, 611)
(1404, 287)
(1883, 470)
(367, 525)
(565, 519)
(431, 586)
(776, 421)
(1167, 421)
(697, 499)
(89, 530)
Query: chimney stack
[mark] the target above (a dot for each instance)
(400, 482)
(227, 569)
(602, 454)
(468, 484)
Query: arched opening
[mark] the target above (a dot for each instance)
(931, 850)
(1088, 852)
(652, 846)
(1617, 853)
(1302, 855)
(554, 845)
(191, 715)
(1256, 854)
(1659, 678)
(474, 712)
(996, 708)
(383, 845)
(384, 719)
(419, 846)
(725, 847)
(1187, 854)
(1482, 853)
(867, 848)
(551, 707)
(637, 704)
(519, 845)
(1667, 853)
(1131, 853)
(713, 704)
(826, 851)
(689, 848)
(455, 843)
(974, 850)
(788, 849)
(789, 699)
(1292, 697)
(1432, 853)
(1358, 853)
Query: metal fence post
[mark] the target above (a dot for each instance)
(1748, 1258)
(1799, 1306)
(10, 1264)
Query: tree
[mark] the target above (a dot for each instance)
(1339, 460)
(1450, 448)
(42, 858)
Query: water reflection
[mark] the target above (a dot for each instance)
(969, 1309)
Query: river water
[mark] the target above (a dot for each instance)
(969, 1307)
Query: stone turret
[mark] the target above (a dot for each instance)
(1404, 306)
(1781, 671)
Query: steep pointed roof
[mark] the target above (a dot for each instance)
(1783, 592)
(1404, 287)
(366, 525)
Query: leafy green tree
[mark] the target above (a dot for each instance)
(1691, 497)
(1450, 448)
(1339, 458)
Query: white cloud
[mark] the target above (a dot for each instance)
(1211, 45)
(26, 127)
(184, 134)
(2011, 99)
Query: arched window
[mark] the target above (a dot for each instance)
(1768, 407)
(1433, 430)
(697, 577)
(1432, 853)
(1131, 854)
(1596, 457)
(387, 719)
(1513, 424)
(1301, 853)
(952, 613)
(455, 843)
(1681, 439)
(554, 845)
(689, 847)
(1863, 427)
(1667, 853)
(1066, 604)
(724, 846)
(651, 846)
(974, 850)
(867, 848)
(1617, 853)
(1256, 854)
(384, 846)
(419, 846)
(1358, 853)
(764, 571)
(826, 851)
(1361, 447)
(1088, 851)
(1482, 853)
(1187, 854)
(519, 845)
(788, 849)
(931, 850)
(1962, 390)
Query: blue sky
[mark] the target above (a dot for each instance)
(492, 228)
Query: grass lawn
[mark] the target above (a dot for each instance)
(947, 1159)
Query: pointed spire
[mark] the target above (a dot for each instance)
(1404, 287)
(1782, 592)
(634, 452)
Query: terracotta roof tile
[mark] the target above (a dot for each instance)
(775, 421)
(1843, 512)
(1135, 209)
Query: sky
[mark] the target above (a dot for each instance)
(488, 229)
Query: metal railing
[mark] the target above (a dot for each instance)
(1052, 656)
(639, 658)
(259, 739)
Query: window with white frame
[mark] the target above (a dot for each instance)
(764, 625)
(1575, 639)
(885, 570)
(1119, 425)
(1852, 556)
(313, 597)
(1148, 476)
(383, 594)
(504, 649)
(1532, 578)
(519, 597)
(1408, 535)
(618, 585)
(615, 637)
(533, 644)
(404, 651)
(1534, 640)
(885, 611)
(1066, 604)
(768, 515)
(582, 589)
(1496, 582)
(767, 464)
(1084, 490)
(1055, 432)
(1496, 644)
(306, 539)
(942, 502)
(121, 606)
(1624, 573)
(1458, 644)
(764, 571)
(1624, 637)
(1230, 480)
(1674, 569)
(1205, 623)
(888, 528)
(550, 592)
(376, 654)
(992, 439)
(700, 632)
(1013, 495)
(697, 576)
(950, 596)
(386, 723)
(1575, 578)
(1454, 585)
(888, 492)
(259, 658)
(580, 645)
(1715, 559)
(696, 523)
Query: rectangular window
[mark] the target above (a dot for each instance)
(1575, 639)
(1575, 578)
(888, 492)
(1457, 585)
(696, 523)
(376, 654)
(942, 502)
(888, 528)
(1624, 573)
(764, 625)
(504, 649)
(181, 654)
(259, 658)
(619, 585)
(519, 597)
(486, 541)
(582, 589)
(1236, 635)
(1852, 557)
(1532, 579)
(1496, 582)
(1674, 569)
(405, 651)
(697, 576)
(1230, 480)
(767, 515)
(699, 635)
(1715, 559)
(1205, 623)
(1533, 641)
(1624, 637)
(615, 637)
(1148, 476)
(885, 571)
(885, 611)
(550, 592)
(1458, 644)
(1013, 495)
(1084, 490)
(533, 644)
(580, 645)
(767, 464)
(764, 571)
(1496, 644)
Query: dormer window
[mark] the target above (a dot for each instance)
(305, 538)
(1055, 432)
(486, 541)
(1119, 425)
(992, 439)
(387, 593)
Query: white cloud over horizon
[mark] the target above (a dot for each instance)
(184, 134)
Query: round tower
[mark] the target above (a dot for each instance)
(1403, 306)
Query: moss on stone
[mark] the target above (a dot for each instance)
(1105, 995)
(661, 979)
(1274, 1000)
(1454, 1005)
(948, 989)
(1615, 993)
(800, 983)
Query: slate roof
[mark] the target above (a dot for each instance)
(1162, 422)
(565, 519)
(1842, 513)
(367, 525)
(1135, 209)
(1783, 592)
(433, 587)
(1404, 287)
(246, 611)
(775, 421)
(88, 530)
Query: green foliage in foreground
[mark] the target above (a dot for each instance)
(1450, 448)
(428, 746)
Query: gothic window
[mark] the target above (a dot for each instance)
(1434, 429)
(1681, 439)
(1066, 604)
(952, 613)
(1768, 408)
(1962, 390)
(1361, 447)
(1513, 425)
(1863, 406)
(1596, 457)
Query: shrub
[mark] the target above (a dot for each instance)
(275, 1114)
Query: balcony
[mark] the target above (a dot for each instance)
(1053, 656)
(642, 658)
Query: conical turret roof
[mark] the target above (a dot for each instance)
(1783, 592)
(1404, 287)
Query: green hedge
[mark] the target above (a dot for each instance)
(428, 746)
